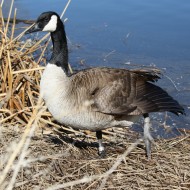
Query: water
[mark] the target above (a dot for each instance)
(126, 33)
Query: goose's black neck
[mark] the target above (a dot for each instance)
(60, 50)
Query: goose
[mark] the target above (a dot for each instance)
(98, 98)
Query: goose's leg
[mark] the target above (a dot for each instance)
(148, 139)
(101, 149)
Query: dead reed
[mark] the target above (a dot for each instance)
(58, 158)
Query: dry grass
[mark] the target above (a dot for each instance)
(51, 162)
(38, 153)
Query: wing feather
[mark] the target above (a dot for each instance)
(124, 92)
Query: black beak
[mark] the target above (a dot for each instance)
(34, 28)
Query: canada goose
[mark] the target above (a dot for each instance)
(98, 98)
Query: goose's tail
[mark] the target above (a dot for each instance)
(152, 98)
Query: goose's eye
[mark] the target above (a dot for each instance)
(46, 19)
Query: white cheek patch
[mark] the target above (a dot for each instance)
(51, 25)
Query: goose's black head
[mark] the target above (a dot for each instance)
(47, 22)
(51, 22)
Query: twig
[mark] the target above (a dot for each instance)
(10, 10)
(68, 2)
(14, 22)
(28, 70)
(172, 82)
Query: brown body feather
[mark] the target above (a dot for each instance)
(123, 92)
